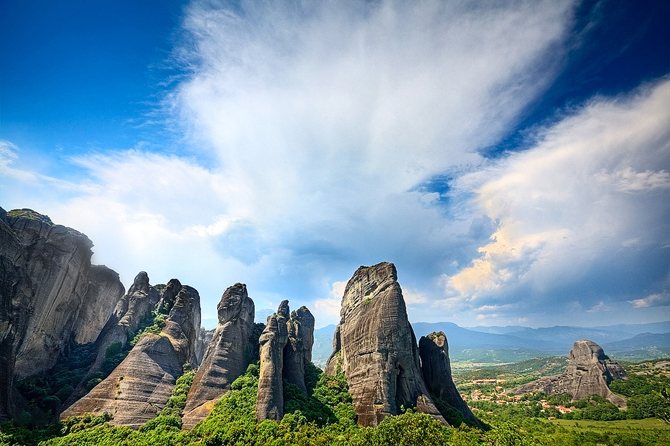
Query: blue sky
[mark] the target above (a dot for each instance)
(512, 159)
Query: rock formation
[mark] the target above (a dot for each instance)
(376, 346)
(104, 292)
(227, 356)
(123, 323)
(436, 370)
(46, 297)
(589, 373)
(298, 350)
(270, 399)
(204, 338)
(141, 385)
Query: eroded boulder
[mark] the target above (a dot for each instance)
(589, 373)
(436, 370)
(376, 348)
(270, 399)
(298, 350)
(140, 386)
(227, 355)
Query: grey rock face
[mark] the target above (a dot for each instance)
(270, 399)
(298, 350)
(227, 356)
(104, 292)
(126, 317)
(141, 385)
(589, 373)
(45, 272)
(204, 338)
(377, 348)
(436, 369)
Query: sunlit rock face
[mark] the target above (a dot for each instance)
(589, 373)
(140, 386)
(227, 356)
(375, 346)
(49, 295)
(270, 399)
(436, 369)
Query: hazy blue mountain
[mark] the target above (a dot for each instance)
(498, 329)
(323, 345)
(636, 329)
(516, 343)
(463, 338)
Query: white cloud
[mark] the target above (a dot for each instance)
(319, 125)
(653, 300)
(327, 310)
(594, 185)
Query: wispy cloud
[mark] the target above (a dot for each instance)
(653, 300)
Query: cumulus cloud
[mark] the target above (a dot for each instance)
(587, 204)
(653, 300)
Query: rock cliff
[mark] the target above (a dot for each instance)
(376, 348)
(50, 294)
(104, 292)
(227, 356)
(589, 373)
(298, 350)
(270, 399)
(141, 385)
(436, 370)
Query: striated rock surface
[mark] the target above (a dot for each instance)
(227, 356)
(104, 292)
(125, 320)
(270, 399)
(46, 297)
(376, 346)
(141, 385)
(589, 373)
(436, 370)
(204, 338)
(298, 350)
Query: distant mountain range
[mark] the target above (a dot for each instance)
(634, 342)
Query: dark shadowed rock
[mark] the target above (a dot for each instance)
(298, 350)
(377, 348)
(589, 373)
(270, 399)
(204, 338)
(227, 356)
(168, 296)
(141, 385)
(436, 369)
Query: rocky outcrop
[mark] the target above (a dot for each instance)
(46, 296)
(270, 399)
(227, 356)
(436, 370)
(204, 338)
(141, 385)
(128, 313)
(589, 373)
(298, 350)
(376, 348)
(104, 292)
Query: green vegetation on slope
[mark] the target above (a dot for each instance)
(325, 416)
